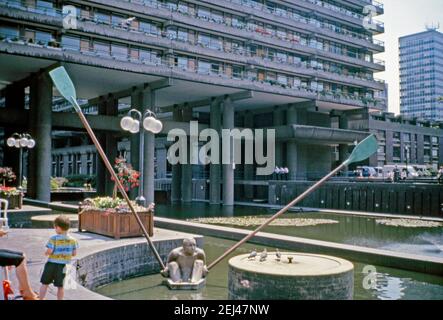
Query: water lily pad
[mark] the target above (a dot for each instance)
(250, 221)
(409, 223)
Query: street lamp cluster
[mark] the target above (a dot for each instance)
(149, 121)
(134, 125)
(21, 141)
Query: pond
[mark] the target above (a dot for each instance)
(347, 229)
(389, 283)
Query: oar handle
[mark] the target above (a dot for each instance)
(278, 214)
(114, 176)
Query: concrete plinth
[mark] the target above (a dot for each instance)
(185, 285)
(308, 277)
(47, 221)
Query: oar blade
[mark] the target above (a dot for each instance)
(364, 149)
(63, 83)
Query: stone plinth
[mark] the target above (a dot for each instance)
(308, 277)
(47, 221)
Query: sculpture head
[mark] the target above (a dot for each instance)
(189, 246)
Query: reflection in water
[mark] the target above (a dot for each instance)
(361, 231)
(390, 283)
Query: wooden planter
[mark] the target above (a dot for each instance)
(15, 202)
(116, 225)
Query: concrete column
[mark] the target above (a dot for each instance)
(186, 183)
(343, 149)
(176, 194)
(134, 140)
(295, 153)
(14, 99)
(420, 148)
(278, 121)
(228, 171)
(84, 159)
(161, 154)
(111, 144)
(100, 166)
(248, 173)
(39, 186)
(389, 147)
(149, 150)
(214, 169)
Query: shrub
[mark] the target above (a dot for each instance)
(79, 180)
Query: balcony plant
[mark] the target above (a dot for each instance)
(6, 175)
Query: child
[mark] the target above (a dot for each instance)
(60, 249)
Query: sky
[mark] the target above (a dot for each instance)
(403, 17)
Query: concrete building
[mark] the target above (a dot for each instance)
(401, 139)
(226, 63)
(421, 75)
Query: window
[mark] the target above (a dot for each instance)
(119, 51)
(182, 35)
(43, 37)
(101, 48)
(182, 63)
(45, 7)
(282, 79)
(204, 67)
(9, 32)
(217, 16)
(203, 13)
(102, 17)
(71, 43)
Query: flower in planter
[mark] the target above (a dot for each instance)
(109, 205)
(7, 175)
(9, 191)
(128, 177)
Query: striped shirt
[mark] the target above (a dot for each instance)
(63, 246)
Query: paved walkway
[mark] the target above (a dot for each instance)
(32, 242)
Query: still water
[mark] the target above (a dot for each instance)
(380, 282)
(354, 230)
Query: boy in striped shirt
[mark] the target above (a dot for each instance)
(60, 250)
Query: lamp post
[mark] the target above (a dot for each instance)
(20, 141)
(134, 125)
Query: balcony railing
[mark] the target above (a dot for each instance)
(169, 62)
(57, 12)
(266, 9)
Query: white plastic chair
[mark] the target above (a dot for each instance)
(4, 213)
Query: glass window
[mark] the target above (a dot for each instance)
(119, 51)
(71, 43)
(9, 32)
(117, 20)
(171, 5)
(46, 7)
(101, 48)
(282, 79)
(183, 7)
(204, 67)
(204, 39)
(203, 13)
(171, 33)
(148, 27)
(43, 37)
(217, 16)
(102, 17)
(182, 35)
(182, 63)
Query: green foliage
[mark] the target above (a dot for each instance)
(79, 180)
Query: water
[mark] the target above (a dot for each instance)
(354, 230)
(389, 284)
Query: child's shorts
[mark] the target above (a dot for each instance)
(53, 273)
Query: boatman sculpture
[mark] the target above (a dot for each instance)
(186, 266)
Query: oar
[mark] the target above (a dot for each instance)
(66, 88)
(362, 151)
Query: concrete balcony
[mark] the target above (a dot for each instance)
(349, 38)
(56, 21)
(319, 135)
(163, 69)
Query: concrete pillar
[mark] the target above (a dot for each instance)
(84, 166)
(296, 153)
(389, 147)
(248, 173)
(100, 166)
(136, 103)
(149, 150)
(111, 145)
(278, 121)
(14, 99)
(186, 183)
(228, 171)
(215, 169)
(161, 154)
(39, 186)
(176, 194)
(343, 149)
